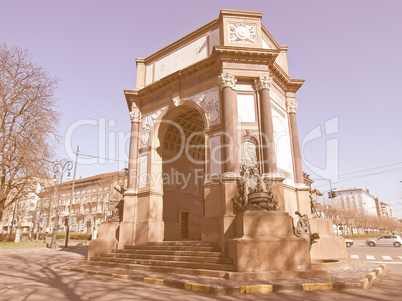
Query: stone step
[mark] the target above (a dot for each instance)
(159, 263)
(169, 252)
(191, 258)
(159, 269)
(178, 243)
(174, 248)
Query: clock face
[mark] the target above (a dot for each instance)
(242, 32)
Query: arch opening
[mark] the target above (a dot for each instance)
(183, 150)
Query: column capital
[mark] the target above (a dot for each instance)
(291, 107)
(263, 82)
(227, 80)
(135, 116)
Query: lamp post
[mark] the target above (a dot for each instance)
(59, 166)
(71, 202)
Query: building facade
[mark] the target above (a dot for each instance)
(386, 209)
(23, 212)
(358, 200)
(93, 200)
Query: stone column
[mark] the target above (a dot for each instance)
(229, 107)
(133, 153)
(127, 227)
(267, 127)
(291, 108)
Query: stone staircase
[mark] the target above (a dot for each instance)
(184, 257)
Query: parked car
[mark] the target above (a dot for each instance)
(385, 240)
(349, 242)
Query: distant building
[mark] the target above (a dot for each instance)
(385, 209)
(23, 212)
(357, 199)
(92, 201)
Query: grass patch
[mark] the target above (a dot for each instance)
(22, 244)
(362, 236)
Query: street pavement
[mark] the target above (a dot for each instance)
(388, 255)
(32, 274)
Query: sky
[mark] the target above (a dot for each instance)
(348, 53)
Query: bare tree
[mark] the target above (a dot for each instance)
(27, 123)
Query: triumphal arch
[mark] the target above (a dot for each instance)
(215, 153)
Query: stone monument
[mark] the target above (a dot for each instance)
(214, 151)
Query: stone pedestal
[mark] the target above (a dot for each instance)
(265, 242)
(107, 240)
(329, 247)
(218, 220)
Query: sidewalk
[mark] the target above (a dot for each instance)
(357, 276)
(36, 275)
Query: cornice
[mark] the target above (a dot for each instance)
(223, 54)
(130, 96)
(252, 53)
(284, 80)
(239, 13)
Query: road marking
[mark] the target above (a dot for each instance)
(354, 256)
(386, 257)
(370, 257)
(387, 262)
(400, 257)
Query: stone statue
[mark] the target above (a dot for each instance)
(117, 211)
(255, 193)
(314, 193)
(303, 228)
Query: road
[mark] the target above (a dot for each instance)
(389, 255)
(32, 276)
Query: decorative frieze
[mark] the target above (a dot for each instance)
(292, 107)
(147, 124)
(240, 32)
(227, 80)
(135, 116)
(264, 82)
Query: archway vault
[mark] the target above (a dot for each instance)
(182, 148)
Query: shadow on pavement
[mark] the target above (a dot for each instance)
(80, 248)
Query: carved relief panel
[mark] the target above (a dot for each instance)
(239, 32)
(148, 122)
(209, 102)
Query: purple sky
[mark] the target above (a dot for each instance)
(349, 53)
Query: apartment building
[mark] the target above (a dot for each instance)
(93, 200)
(357, 199)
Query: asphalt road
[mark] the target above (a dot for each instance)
(32, 275)
(389, 255)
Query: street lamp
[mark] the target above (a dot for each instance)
(59, 166)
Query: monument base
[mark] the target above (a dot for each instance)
(265, 242)
(330, 250)
(106, 241)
